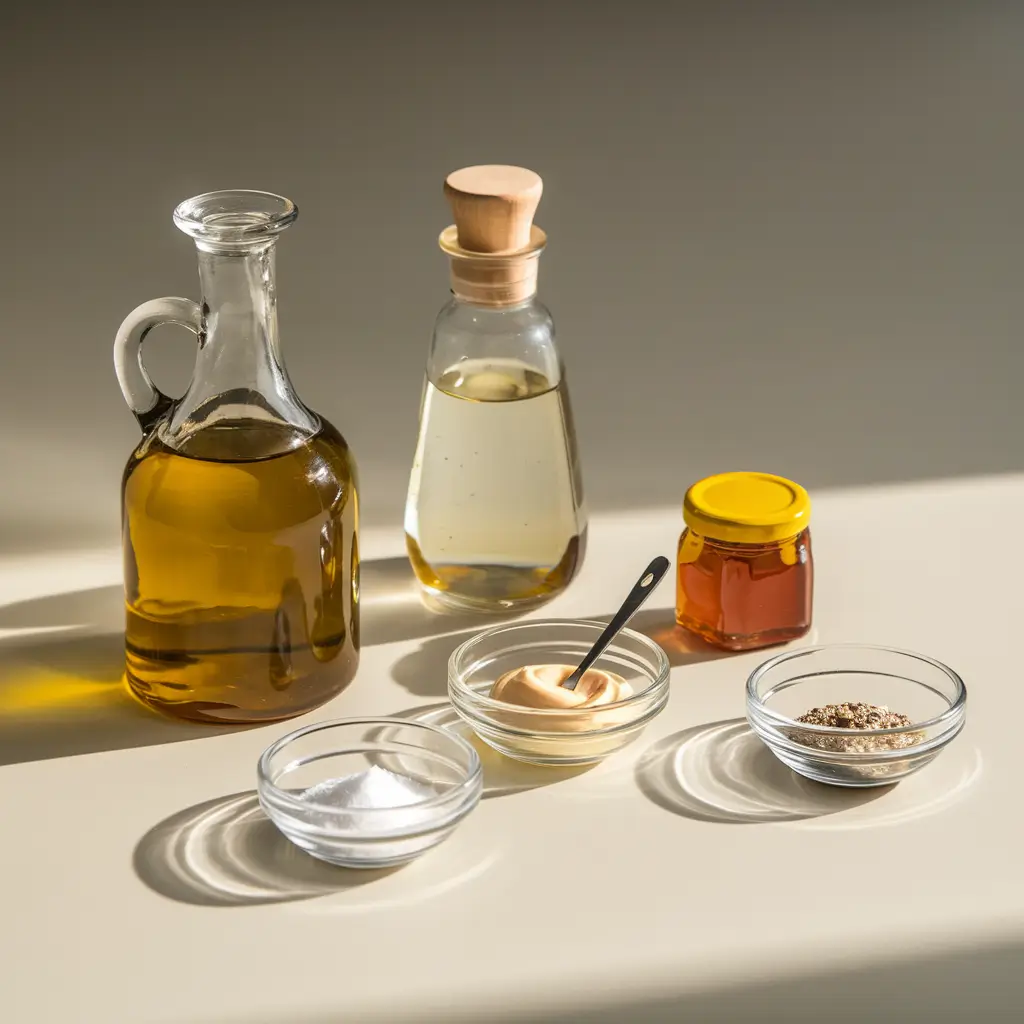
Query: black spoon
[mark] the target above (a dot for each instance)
(650, 578)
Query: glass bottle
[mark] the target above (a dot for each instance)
(745, 570)
(495, 517)
(239, 506)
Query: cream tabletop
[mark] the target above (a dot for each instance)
(689, 877)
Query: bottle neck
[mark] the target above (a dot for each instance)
(240, 317)
(499, 310)
(239, 373)
(493, 282)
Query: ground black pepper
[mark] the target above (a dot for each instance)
(858, 718)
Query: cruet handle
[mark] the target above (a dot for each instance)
(144, 398)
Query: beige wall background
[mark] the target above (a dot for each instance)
(783, 235)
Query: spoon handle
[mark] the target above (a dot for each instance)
(649, 579)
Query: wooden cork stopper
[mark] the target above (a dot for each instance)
(493, 206)
(494, 243)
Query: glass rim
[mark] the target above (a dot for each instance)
(234, 215)
(456, 795)
(660, 677)
(951, 713)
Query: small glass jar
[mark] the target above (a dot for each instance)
(745, 575)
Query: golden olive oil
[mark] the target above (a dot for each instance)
(241, 571)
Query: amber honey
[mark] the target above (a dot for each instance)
(743, 596)
(745, 571)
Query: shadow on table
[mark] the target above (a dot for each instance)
(424, 672)
(62, 687)
(722, 772)
(393, 608)
(227, 853)
(946, 986)
(660, 625)
(503, 775)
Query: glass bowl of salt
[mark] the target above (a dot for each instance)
(369, 792)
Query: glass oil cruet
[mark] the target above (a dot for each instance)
(495, 516)
(239, 506)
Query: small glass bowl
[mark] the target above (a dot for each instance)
(305, 787)
(556, 736)
(931, 695)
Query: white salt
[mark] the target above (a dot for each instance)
(374, 789)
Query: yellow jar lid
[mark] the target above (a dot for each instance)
(747, 508)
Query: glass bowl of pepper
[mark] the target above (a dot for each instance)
(855, 715)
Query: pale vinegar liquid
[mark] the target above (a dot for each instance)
(495, 517)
